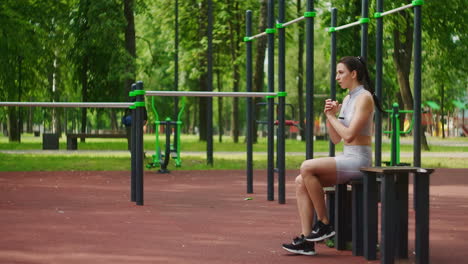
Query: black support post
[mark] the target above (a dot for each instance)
(132, 149)
(364, 28)
(281, 103)
(209, 87)
(140, 103)
(331, 151)
(309, 82)
(176, 70)
(250, 108)
(378, 84)
(271, 88)
(417, 87)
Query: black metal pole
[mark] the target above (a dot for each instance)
(378, 84)
(395, 131)
(132, 149)
(417, 87)
(309, 82)
(331, 151)
(364, 28)
(176, 70)
(250, 114)
(281, 104)
(209, 87)
(140, 101)
(271, 88)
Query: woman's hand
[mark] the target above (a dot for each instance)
(331, 107)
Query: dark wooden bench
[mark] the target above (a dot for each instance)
(72, 142)
(394, 212)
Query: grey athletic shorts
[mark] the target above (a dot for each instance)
(349, 163)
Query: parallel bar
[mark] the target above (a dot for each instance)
(348, 25)
(259, 35)
(209, 94)
(293, 21)
(68, 104)
(398, 9)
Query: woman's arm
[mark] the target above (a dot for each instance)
(334, 108)
(334, 136)
(363, 110)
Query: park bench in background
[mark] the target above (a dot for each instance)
(72, 139)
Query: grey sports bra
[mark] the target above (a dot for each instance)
(347, 111)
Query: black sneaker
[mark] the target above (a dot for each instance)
(320, 232)
(301, 246)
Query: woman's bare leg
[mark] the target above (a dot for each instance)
(316, 174)
(304, 206)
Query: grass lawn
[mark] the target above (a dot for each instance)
(75, 161)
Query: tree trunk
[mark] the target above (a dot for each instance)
(13, 126)
(220, 108)
(300, 72)
(234, 33)
(442, 111)
(259, 75)
(130, 44)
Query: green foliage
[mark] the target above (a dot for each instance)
(64, 43)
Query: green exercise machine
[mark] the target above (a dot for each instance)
(160, 159)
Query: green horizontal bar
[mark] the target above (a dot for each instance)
(310, 14)
(282, 94)
(377, 15)
(417, 2)
(132, 107)
(279, 25)
(140, 104)
(270, 96)
(332, 29)
(270, 30)
(131, 94)
(247, 39)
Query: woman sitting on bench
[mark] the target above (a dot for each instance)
(354, 126)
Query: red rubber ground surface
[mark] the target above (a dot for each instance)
(188, 217)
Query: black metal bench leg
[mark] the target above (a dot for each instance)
(388, 220)
(421, 183)
(340, 216)
(402, 215)
(370, 215)
(357, 215)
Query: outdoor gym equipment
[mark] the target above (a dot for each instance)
(395, 134)
(159, 159)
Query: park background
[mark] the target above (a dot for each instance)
(92, 51)
(61, 206)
